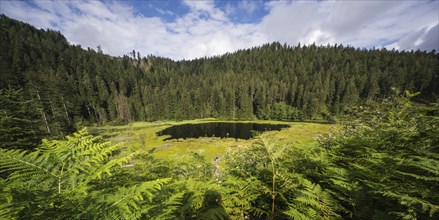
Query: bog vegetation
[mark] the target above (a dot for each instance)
(383, 164)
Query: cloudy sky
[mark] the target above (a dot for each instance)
(189, 29)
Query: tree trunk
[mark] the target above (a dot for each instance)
(43, 114)
(45, 120)
(51, 108)
(65, 110)
(88, 110)
(96, 115)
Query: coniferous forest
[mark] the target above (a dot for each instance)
(384, 164)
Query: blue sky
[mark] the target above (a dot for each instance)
(188, 29)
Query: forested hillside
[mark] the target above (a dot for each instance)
(57, 86)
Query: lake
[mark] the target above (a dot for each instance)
(219, 129)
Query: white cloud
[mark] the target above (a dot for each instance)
(206, 30)
(229, 9)
(248, 6)
(206, 7)
(22, 11)
(424, 39)
(430, 39)
(290, 22)
(357, 23)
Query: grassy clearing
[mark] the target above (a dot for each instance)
(141, 136)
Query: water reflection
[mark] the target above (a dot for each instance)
(219, 129)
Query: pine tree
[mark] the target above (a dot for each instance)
(21, 124)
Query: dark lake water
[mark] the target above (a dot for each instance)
(219, 129)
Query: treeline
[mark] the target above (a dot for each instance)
(71, 86)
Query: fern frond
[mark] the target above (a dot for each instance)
(295, 214)
(7, 210)
(430, 166)
(25, 166)
(170, 206)
(125, 202)
(434, 179)
(197, 189)
(100, 169)
(313, 202)
(213, 213)
(239, 195)
(409, 201)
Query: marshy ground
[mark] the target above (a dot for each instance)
(142, 136)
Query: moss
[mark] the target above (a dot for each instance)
(141, 136)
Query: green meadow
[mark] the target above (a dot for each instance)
(142, 137)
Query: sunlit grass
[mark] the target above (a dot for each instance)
(141, 136)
